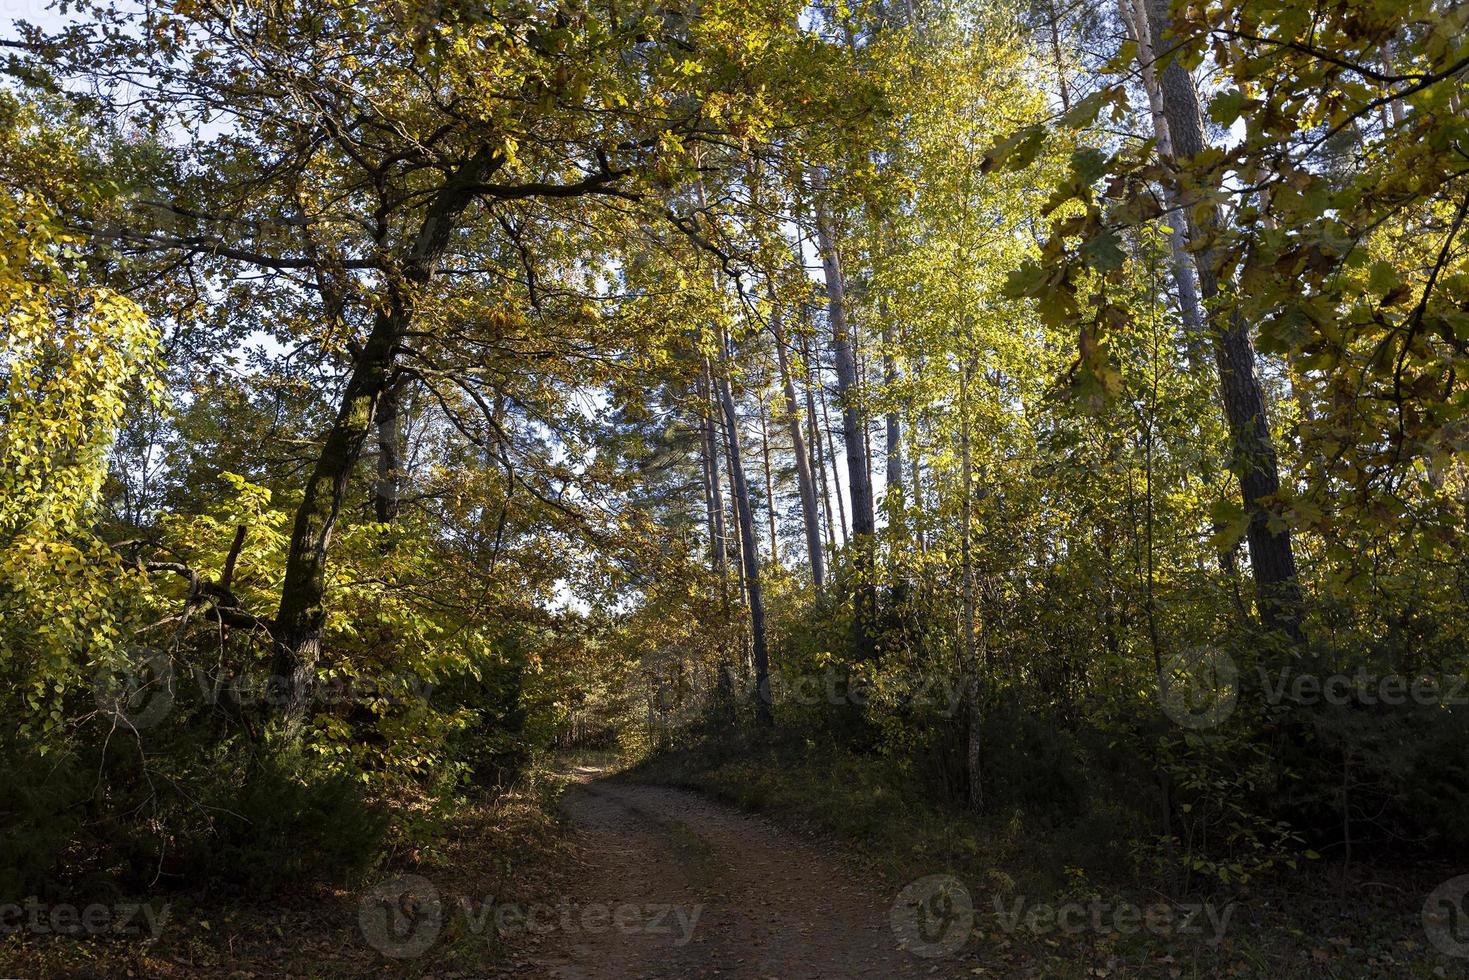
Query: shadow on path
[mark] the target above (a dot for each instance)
(678, 886)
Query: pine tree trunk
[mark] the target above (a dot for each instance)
(804, 479)
(854, 435)
(1272, 559)
(750, 556)
(769, 476)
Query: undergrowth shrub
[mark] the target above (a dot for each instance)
(286, 820)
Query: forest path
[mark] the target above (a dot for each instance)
(677, 886)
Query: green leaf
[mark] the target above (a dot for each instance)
(1017, 152)
(1103, 253)
(1230, 523)
(1085, 112)
(1027, 280)
(1226, 107)
(1089, 164)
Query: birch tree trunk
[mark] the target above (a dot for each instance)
(831, 460)
(818, 457)
(894, 430)
(970, 670)
(1179, 263)
(769, 476)
(714, 506)
(714, 494)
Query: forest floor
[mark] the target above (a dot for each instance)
(705, 891)
(512, 843)
(586, 872)
(1075, 900)
(598, 879)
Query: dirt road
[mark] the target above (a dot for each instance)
(681, 887)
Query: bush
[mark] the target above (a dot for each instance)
(288, 821)
(41, 814)
(1033, 763)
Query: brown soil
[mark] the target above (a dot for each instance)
(746, 901)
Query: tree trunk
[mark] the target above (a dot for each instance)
(916, 481)
(861, 390)
(733, 542)
(818, 458)
(750, 556)
(714, 490)
(1277, 591)
(970, 670)
(894, 433)
(854, 436)
(706, 481)
(388, 496)
(915, 466)
(769, 476)
(302, 612)
(1180, 265)
(1060, 59)
(804, 478)
(714, 520)
(835, 482)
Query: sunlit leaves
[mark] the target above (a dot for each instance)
(74, 354)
